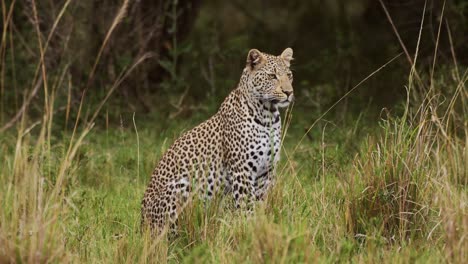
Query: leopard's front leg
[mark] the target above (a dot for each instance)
(263, 183)
(243, 189)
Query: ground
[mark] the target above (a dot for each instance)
(359, 188)
(304, 219)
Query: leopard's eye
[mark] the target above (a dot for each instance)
(290, 76)
(272, 76)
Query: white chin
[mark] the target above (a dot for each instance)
(284, 103)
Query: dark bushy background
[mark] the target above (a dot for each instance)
(198, 49)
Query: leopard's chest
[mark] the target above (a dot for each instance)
(264, 144)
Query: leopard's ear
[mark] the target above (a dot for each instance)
(287, 56)
(255, 59)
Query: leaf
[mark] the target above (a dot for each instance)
(167, 65)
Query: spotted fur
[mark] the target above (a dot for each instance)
(235, 151)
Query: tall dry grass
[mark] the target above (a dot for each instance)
(37, 197)
(410, 182)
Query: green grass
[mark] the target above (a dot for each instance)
(335, 200)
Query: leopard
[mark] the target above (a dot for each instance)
(233, 153)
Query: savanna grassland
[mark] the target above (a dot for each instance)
(376, 184)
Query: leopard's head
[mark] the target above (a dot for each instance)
(269, 78)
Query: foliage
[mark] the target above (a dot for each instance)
(359, 186)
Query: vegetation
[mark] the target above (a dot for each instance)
(364, 176)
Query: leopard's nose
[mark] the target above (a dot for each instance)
(288, 93)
